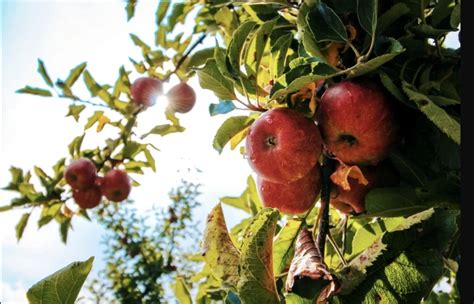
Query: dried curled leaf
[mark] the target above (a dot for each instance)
(342, 174)
(309, 91)
(309, 265)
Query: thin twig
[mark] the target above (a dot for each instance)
(323, 223)
(185, 55)
(336, 248)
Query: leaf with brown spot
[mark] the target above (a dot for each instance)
(218, 250)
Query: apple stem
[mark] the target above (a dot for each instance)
(327, 169)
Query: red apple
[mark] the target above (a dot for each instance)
(181, 98)
(81, 174)
(293, 198)
(115, 185)
(357, 122)
(145, 90)
(353, 200)
(283, 145)
(88, 198)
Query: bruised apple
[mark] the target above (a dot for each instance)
(293, 198)
(353, 200)
(115, 185)
(145, 90)
(80, 174)
(181, 98)
(357, 122)
(283, 145)
(88, 198)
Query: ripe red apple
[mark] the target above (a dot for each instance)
(353, 200)
(181, 98)
(283, 145)
(115, 185)
(145, 90)
(357, 122)
(293, 198)
(88, 198)
(81, 174)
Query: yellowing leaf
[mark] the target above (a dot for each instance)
(218, 250)
(103, 120)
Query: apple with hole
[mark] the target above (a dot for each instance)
(88, 198)
(358, 122)
(353, 200)
(283, 145)
(116, 185)
(181, 98)
(80, 174)
(145, 90)
(292, 198)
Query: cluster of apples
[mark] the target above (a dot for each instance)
(88, 188)
(145, 90)
(355, 124)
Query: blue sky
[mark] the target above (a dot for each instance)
(34, 130)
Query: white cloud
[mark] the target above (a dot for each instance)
(13, 293)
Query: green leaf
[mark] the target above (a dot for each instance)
(150, 160)
(130, 8)
(284, 245)
(219, 252)
(455, 18)
(393, 202)
(181, 291)
(391, 15)
(437, 115)
(236, 45)
(34, 91)
(231, 127)
(427, 31)
(256, 280)
(5, 208)
(64, 229)
(138, 42)
(325, 24)
(227, 20)
(300, 76)
(210, 78)
(409, 171)
(49, 212)
(367, 15)
(200, 57)
(258, 44)
(223, 107)
(164, 130)
(95, 89)
(63, 286)
(20, 227)
(161, 11)
(279, 52)
(177, 14)
(43, 73)
(363, 68)
(93, 119)
(393, 89)
(75, 110)
(74, 74)
(75, 146)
